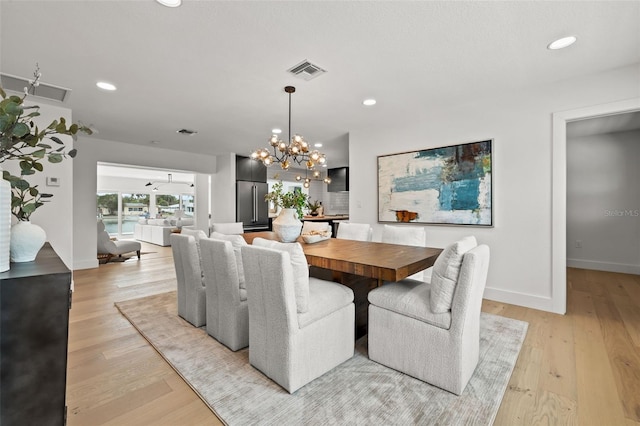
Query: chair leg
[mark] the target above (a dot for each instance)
(138, 253)
(109, 256)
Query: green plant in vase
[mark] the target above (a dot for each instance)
(22, 140)
(313, 207)
(288, 200)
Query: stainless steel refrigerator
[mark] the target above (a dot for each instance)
(251, 208)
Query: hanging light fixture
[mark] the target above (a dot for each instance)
(295, 151)
(169, 180)
(315, 176)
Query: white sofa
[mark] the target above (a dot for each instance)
(158, 231)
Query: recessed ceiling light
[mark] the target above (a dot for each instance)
(276, 131)
(318, 145)
(561, 43)
(369, 102)
(106, 86)
(170, 3)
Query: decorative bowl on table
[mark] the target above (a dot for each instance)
(315, 236)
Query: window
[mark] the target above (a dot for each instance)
(134, 207)
(107, 210)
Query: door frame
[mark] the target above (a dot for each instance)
(559, 190)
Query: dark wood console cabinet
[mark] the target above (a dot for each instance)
(35, 298)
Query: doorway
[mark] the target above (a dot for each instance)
(559, 191)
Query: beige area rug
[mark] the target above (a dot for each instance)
(358, 392)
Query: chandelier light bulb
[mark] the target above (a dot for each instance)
(306, 184)
(316, 173)
(285, 165)
(298, 178)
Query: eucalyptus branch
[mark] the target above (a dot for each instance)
(21, 140)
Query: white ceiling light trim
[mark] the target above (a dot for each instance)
(170, 3)
(276, 131)
(106, 86)
(561, 43)
(369, 102)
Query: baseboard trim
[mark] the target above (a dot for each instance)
(604, 266)
(85, 264)
(520, 299)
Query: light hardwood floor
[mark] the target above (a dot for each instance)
(582, 368)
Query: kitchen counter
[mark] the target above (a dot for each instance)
(326, 218)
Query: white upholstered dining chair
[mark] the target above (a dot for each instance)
(295, 336)
(191, 290)
(227, 308)
(354, 231)
(431, 331)
(408, 236)
(229, 228)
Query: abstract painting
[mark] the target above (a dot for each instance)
(447, 186)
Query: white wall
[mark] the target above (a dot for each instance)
(520, 123)
(90, 152)
(56, 217)
(223, 204)
(603, 202)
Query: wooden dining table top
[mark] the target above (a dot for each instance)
(382, 261)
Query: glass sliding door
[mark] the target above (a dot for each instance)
(134, 207)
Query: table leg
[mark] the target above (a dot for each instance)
(360, 286)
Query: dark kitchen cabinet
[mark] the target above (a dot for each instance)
(339, 179)
(250, 170)
(35, 298)
(251, 187)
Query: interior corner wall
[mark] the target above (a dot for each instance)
(56, 216)
(223, 183)
(603, 202)
(90, 152)
(520, 124)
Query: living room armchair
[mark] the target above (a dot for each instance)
(110, 248)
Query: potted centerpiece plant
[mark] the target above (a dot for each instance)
(287, 225)
(22, 140)
(314, 207)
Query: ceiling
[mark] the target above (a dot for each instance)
(606, 124)
(219, 67)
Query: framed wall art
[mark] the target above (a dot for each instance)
(450, 185)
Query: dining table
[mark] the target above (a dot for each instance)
(360, 265)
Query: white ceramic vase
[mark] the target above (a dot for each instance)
(5, 222)
(26, 241)
(287, 226)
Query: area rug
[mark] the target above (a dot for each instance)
(358, 392)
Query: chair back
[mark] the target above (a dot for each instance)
(192, 273)
(177, 263)
(105, 245)
(467, 297)
(229, 228)
(272, 301)
(221, 280)
(355, 231)
(404, 235)
(408, 236)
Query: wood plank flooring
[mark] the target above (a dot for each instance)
(582, 368)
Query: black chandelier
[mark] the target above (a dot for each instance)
(296, 151)
(169, 180)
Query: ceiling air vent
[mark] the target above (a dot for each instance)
(306, 70)
(44, 90)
